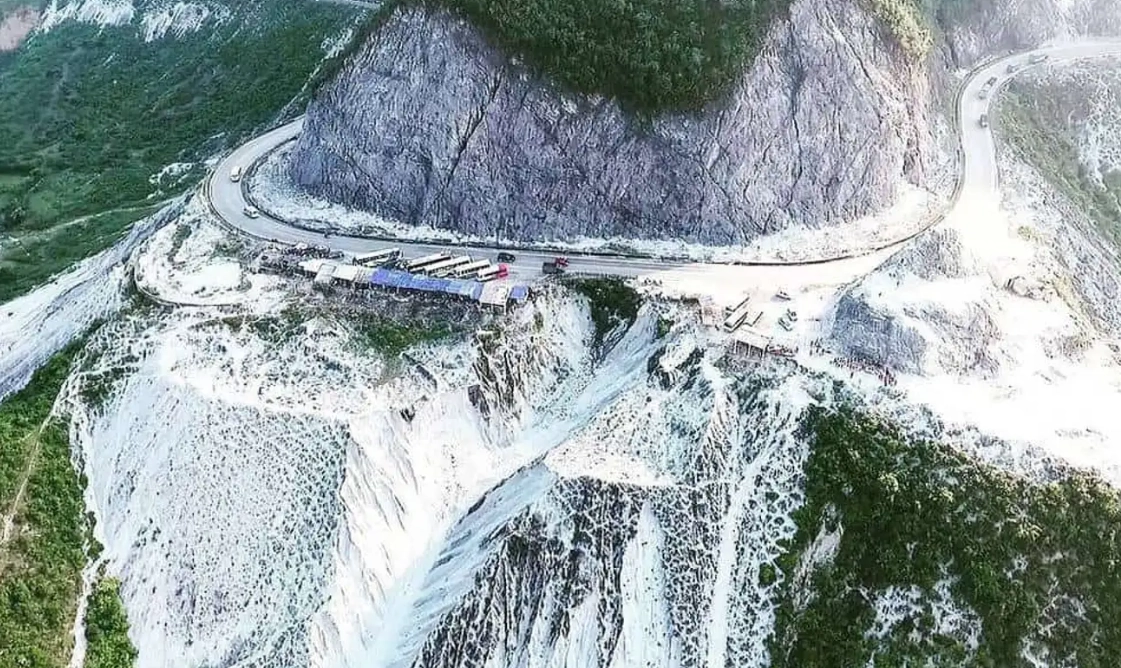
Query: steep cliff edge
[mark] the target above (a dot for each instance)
(430, 124)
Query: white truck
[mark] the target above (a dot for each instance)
(235, 173)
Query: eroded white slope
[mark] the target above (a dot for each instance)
(37, 325)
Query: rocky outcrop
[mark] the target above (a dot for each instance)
(886, 320)
(877, 337)
(432, 125)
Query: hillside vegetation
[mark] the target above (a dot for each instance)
(90, 116)
(41, 562)
(979, 564)
(651, 55)
(1042, 122)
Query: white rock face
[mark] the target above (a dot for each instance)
(155, 19)
(99, 12)
(294, 501)
(177, 19)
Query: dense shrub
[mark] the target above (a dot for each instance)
(1023, 555)
(108, 645)
(40, 567)
(89, 114)
(651, 55)
(613, 303)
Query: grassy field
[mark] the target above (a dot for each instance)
(1037, 563)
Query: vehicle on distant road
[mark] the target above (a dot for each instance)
(1035, 60)
(984, 92)
(1012, 67)
(984, 120)
(782, 295)
(438, 269)
(503, 256)
(251, 212)
(552, 268)
(561, 261)
(736, 315)
(235, 174)
(471, 269)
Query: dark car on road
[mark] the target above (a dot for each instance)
(506, 257)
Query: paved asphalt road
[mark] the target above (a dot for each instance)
(979, 173)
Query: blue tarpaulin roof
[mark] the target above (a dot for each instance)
(392, 278)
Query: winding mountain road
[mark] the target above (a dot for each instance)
(979, 174)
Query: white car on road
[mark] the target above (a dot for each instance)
(251, 212)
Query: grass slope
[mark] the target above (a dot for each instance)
(1037, 563)
(40, 565)
(88, 114)
(30, 261)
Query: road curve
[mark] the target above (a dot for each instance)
(979, 172)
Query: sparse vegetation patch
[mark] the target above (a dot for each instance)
(1034, 121)
(613, 303)
(392, 337)
(908, 24)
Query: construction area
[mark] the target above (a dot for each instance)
(742, 322)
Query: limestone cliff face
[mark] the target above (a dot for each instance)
(430, 124)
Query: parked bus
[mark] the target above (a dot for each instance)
(492, 272)
(470, 269)
(413, 265)
(444, 267)
(377, 258)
